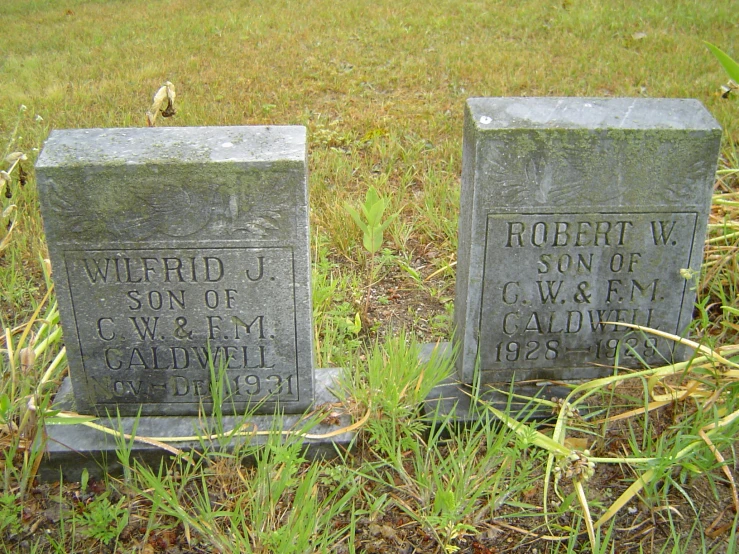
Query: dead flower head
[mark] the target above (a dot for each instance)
(165, 92)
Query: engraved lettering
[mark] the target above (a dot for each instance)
(172, 265)
(98, 272)
(565, 263)
(551, 293)
(239, 323)
(202, 355)
(180, 332)
(198, 386)
(101, 333)
(230, 297)
(539, 234)
(643, 289)
(129, 279)
(513, 326)
(135, 389)
(180, 357)
(534, 324)
(613, 286)
(183, 321)
(179, 385)
(597, 317)
(211, 299)
(229, 356)
(515, 229)
(662, 235)
(155, 300)
(259, 272)
(602, 228)
(155, 359)
(557, 234)
(137, 360)
(135, 296)
(262, 363)
(582, 233)
(572, 321)
(175, 300)
(214, 265)
(212, 327)
(108, 363)
(507, 296)
(561, 230)
(582, 296)
(149, 268)
(145, 330)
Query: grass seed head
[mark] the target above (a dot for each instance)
(15, 156)
(27, 357)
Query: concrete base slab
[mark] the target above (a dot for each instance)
(70, 449)
(454, 400)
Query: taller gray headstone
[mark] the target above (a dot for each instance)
(575, 212)
(180, 255)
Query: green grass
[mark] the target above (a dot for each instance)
(381, 87)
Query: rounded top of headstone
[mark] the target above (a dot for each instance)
(135, 146)
(590, 113)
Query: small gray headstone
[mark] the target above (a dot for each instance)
(175, 247)
(575, 212)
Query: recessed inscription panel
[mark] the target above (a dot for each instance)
(573, 212)
(552, 281)
(151, 321)
(178, 253)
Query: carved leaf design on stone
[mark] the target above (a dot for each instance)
(261, 225)
(75, 217)
(147, 209)
(509, 182)
(173, 212)
(178, 214)
(244, 218)
(569, 184)
(536, 179)
(539, 174)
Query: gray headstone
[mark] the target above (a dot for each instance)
(72, 449)
(575, 212)
(174, 247)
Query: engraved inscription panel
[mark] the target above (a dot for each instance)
(150, 320)
(552, 280)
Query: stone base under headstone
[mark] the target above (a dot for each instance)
(454, 399)
(72, 448)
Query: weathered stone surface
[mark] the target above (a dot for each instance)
(465, 403)
(178, 253)
(575, 212)
(70, 449)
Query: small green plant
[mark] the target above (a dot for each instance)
(373, 225)
(373, 229)
(728, 63)
(124, 448)
(103, 520)
(337, 323)
(84, 480)
(10, 515)
(394, 383)
(243, 510)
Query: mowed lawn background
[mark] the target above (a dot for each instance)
(381, 87)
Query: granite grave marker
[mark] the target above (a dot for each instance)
(575, 212)
(178, 251)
